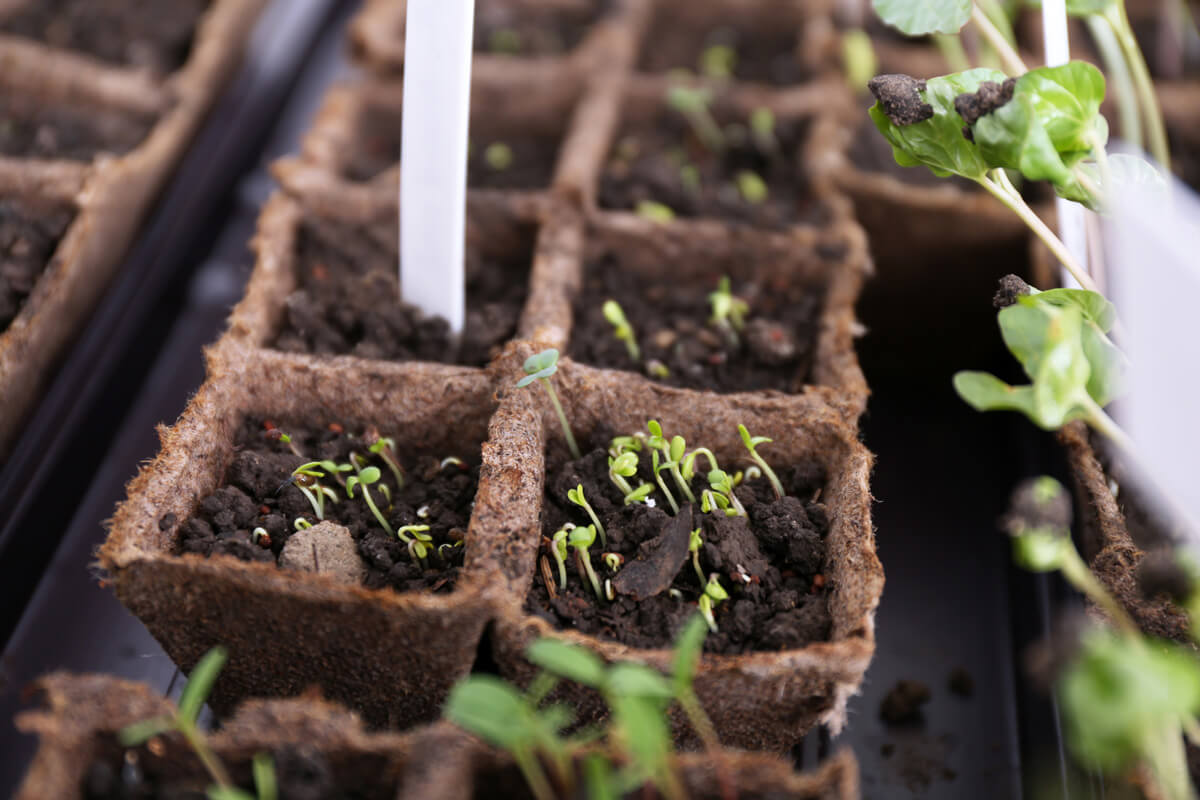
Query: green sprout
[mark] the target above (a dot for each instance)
(306, 478)
(581, 539)
(689, 462)
(694, 545)
(728, 310)
(385, 448)
(558, 548)
(723, 495)
(762, 128)
(454, 461)
(752, 187)
(657, 470)
(576, 496)
(713, 594)
(183, 720)
(613, 561)
(419, 541)
(365, 478)
(505, 41)
(260, 535)
(623, 466)
(624, 444)
(539, 367)
(751, 443)
(499, 156)
(640, 494)
(693, 104)
(858, 58)
(654, 212)
(336, 470)
(301, 524)
(673, 451)
(689, 178)
(621, 328)
(718, 62)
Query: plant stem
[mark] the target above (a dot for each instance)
(534, 776)
(375, 510)
(1012, 61)
(596, 520)
(1166, 759)
(708, 736)
(1002, 189)
(1156, 130)
(1076, 571)
(1119, 78)
(562, 418)
(196, 741)
(1102, 422)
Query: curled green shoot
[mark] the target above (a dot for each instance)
(558, 548)
(622, 330)
(657, 213)
(580, 539)
(540, 367)
(695, 542)
(417, 539)
(301, 524)
(711, 501)
(622, 467)
(713, 593)
(728, 310)
(364, 479)
(722, 487)
(614, 561)
(385, 448)
(689, 462)
(693, 104)
(306, 478)
(624, 444)
(751, 443)
(576, 496)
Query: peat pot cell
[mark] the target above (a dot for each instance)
(758, 179)
(515, 29)
(29, 128)
(511, 156)
(347, 297)
(688, 39)
(768, 558)
(28, 239)
(703, 332)
(398, 518)
(149, 34)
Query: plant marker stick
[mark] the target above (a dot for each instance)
(1057, 48)
(433, 170)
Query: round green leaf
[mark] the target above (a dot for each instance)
(567, 661)
(921, 17)
(491, 709)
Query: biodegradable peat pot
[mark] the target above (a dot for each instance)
(87, 145)
(81, 716)
(391, 656)
(759, 700)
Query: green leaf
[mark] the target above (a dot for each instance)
(263, 767)
(369, 475)
(1093, 305)
(921, 17)
(491, 709)
(688, 647)
(641, 726)
(598, 778)
(140, 732)
(1063, 371)
(568, 661)
(938, 142)
(637, 680)
(678, 447)
(1039, 551)
(1027, 330)
(539, 365)
(985, 392)
(200, 683)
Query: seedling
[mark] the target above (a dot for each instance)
(364, 479)
(540, 367)
(558, 547)
(693, 104)
(689, 462)
(858, 59)
(306, 478)
(640, 495)
(673, 451)
(452, 461)
(385, 448)
(694, 545)
(624, 444)
(301, 524)
(499, 156)
(723, 495)
(751, 443)
(581, 539)
(417, 539)
(260, 536)
(621, 328)
(576, 496)
(183, 721)
(623, 466)
(718, 62)
(713, 593)
(762, 128)
(336, 470)
(752, 187)
(654, 212)
(446, 548)
(657, 469)
(728, 310)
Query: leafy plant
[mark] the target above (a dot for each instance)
(580, 539)
(184, 722)
(540, 367)
(693, 104)
(621, 328)
(728, 310)
(558, 548)
(385, 448)
(367, 477)
(752, 442)
(673, 451)
(576, 496)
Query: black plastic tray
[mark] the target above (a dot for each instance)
(943, 472)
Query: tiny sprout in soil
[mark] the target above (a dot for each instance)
(540, 367)
(365, 478)
(655, 212)
(713, 594)
(581, 539)
(693, 104)
(752, 187)
(762, 128)
(621, 328)
(576, 496)
(751, 443)
(306, 478)
(718, 62)
(728, 310)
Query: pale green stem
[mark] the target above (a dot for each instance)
(375, 510)
(995, 13)
(562, 418)
(1012, 61)
(596, 520)
(952, 50)
(197, 742)
(663, 485)
(1166, 757)
(1156, 129)
(1002, 189)
(534, 776)
(1119, 79)
(1102, 422)
(620, 483)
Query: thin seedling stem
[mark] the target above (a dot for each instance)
(1120, 79)
(1143, 83)
(562, 417)
(1009, 56)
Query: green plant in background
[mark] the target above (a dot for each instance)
(365, 479)
(541, 367)
(859, 62)
(693, 103)
(498, 156)
(385, 448)
(718, 62)
(622, 330)
(184, 722)
(751, 443)
(752, 187)
(505, 41)
(762, 128)
(728, 310)
(713, 593)
(306, 478)
(654, 212)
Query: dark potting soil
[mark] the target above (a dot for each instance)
(775, 349)
(28, 239)
(347, 301)
(152, 34)
(164, 769)
(532, 156)
(769, 562)
(258, 493)
(902, 704)
(31, 129)
(647, 165)
(760, 56)
(510, 29)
